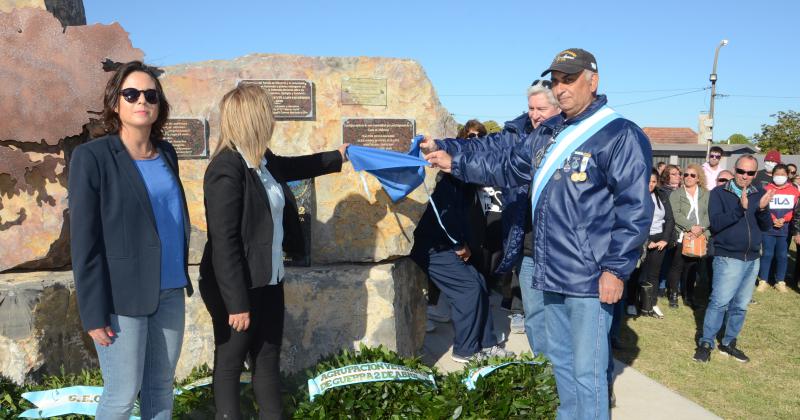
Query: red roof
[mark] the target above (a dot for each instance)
(671, 135)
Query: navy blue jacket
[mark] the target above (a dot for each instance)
(580, 229)
(515, 200)
(116, 251)
(459, 210)
(736, 232)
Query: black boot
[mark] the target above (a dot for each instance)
(673, 300)
(646, 299)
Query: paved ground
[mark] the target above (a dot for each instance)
(638, 396)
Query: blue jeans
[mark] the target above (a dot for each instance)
(732, 290)
(533, 305)
(142, 356)
(777, 247)
(577, 345)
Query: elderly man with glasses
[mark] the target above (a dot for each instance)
(712, 168)
(739, 213)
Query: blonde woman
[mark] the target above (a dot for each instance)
(690, 209)
(252, 219)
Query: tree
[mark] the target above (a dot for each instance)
(492, 126)
(783, 136)
(737, 138)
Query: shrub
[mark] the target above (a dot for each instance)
(373, 400)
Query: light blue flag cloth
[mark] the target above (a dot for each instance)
(398, 173)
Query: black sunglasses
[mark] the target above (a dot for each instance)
(714, 156)
(742, 172)
(722, 180)
(472, 135)
(131, 95)
(686, 175)
(543, 82)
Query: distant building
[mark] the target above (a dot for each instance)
(679, 146)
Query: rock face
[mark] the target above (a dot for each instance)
(51, 79)
(68, 12)
(349, 226)
(327, 308)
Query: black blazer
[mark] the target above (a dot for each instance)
(116, 251)
(238, 254)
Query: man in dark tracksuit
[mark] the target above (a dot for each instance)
(441, 248)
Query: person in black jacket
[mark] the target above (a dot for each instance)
(129, 242)
(443, 244)
(252, 220)
(661, 236)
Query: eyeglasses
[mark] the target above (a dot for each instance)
(722, 180)
(472, 135)
(792, 172)
(131, 95)
(714, 156)
(543, 83)
(742, 172)
(687, 174)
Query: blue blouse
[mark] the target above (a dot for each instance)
(165, 198)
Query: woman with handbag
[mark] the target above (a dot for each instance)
(252, 220)
(690, 210)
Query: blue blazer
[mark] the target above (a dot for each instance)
(116, 251)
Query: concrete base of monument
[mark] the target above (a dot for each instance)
(328, 308)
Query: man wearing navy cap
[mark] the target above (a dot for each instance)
(588, 169)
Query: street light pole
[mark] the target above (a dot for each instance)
(713, 79)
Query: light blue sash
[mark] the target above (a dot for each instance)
(571, 138)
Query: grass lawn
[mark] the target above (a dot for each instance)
(768, 387)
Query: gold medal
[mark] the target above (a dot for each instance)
(582, 176)
(575, 177)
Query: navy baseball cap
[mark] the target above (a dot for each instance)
(571, 61)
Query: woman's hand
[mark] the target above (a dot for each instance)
(778, 223)
(102, 336)
(343, 151)
(239, 322)
(697, 230)
(661, 245)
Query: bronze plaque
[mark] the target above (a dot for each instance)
(380, 133)
(363, 91)
(189, 137)
(292, 100)
(306, 198)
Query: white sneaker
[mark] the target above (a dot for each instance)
(517, 323)
(439, 312)
(462, 359)
(429, 326)
(631, 310)
(657, 311)
(497, 351)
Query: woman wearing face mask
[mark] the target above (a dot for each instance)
(775, 242)
(690, 209)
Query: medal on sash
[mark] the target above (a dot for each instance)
(578, 162)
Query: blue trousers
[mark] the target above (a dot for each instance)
(577, 345)
(466, 292)
(734, 281)
(143, 355)
(533, 304)
(773, 247)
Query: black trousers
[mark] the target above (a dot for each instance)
(649, 274)
(261, 342)
(693, 271)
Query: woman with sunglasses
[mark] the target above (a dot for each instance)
(129, 236)
(690, 210)
(775, 241)
(252, 220)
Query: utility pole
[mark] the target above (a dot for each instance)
(713, 79)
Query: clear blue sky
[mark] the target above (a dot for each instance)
(481, 55)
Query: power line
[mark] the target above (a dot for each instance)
(660, 98)
(520, 94)
(757, 96)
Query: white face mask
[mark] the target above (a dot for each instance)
(769, 166)
(780, 179)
